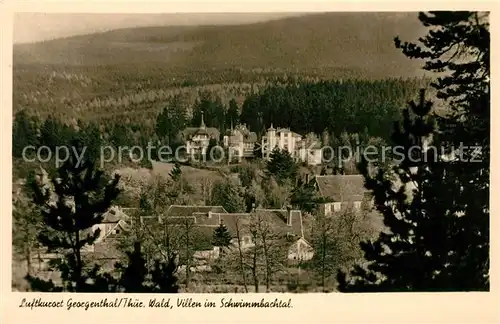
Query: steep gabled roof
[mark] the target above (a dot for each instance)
(115, 214)
(342, 187)
(189, 132)
(234, 220)
(278, 219)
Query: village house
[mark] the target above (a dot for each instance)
(286, 224)
(343, 192)
(240, 142)
(197, 139)
(298, 147)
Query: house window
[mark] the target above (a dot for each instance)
(336, 206)
(357, 205)
(246, 240)
(328, 208)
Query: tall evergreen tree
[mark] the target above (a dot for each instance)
(82, 196)
(305, 196)
(232, 114)
(227, 194)
(412, 254)
(133, 275)
(282, 166)
(24, 133)
(176, 173)
(54, 133)
(163, 277)
(459, 48)
(171, 120)
(221, 237)
(439, 238)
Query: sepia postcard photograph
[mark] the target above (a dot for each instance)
(249, 152)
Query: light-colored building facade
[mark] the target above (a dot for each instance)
(197, 139)
(297, 145)
(240, 142)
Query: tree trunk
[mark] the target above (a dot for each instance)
(28, 260)
(79, 266)
(240, 252)
(254, 272)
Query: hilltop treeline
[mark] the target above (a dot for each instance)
(335, 107)
(352, 106)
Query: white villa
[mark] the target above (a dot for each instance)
(297, 145)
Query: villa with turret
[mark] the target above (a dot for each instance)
(240, 142)
(299, 147)
(198, 138)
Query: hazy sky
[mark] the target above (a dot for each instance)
(32, 27)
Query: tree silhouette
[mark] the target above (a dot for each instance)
(412, 254)
(282, 166)
(82, 196)
(221, 236)
(459, 48)
(24, 133)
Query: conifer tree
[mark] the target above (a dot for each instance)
(233, 113)
(305, 197)
(24, 133)
(459, 48)
(26, 223)
(133, 275)
(82, 196)
(171, 120)
(439, 237)
(137, 277)
(221, 237)
(227, 194)
(176, 172)
(282, 166)
(412, 253)
(163, 277)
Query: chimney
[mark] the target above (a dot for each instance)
(289, 215)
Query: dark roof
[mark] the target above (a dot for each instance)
(202, 131)
(234, 221)
(114, 214)
(342, 187)
(190, 131)
(250, 137)
(187, 210)
(277, 218)
(241, 134)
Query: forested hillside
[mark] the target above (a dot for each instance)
(133, 71)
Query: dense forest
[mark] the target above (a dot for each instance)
(335, 107)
